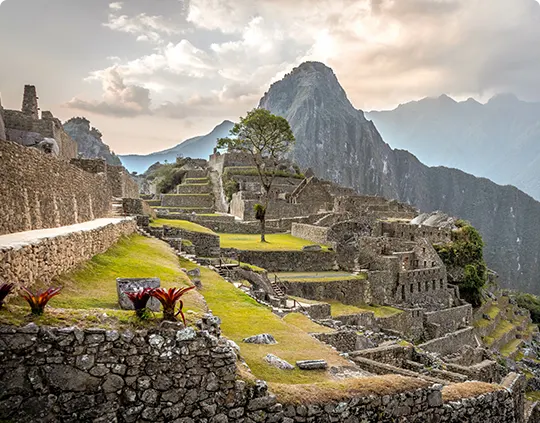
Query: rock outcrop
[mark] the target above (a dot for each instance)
(340, 144)
(89, 140)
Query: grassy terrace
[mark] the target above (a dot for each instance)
(500, 330)
(276, 242)
(492, 312)
(510, 347)
(340, 309)
(305, 323)
(318, 276)
(89, 293)
(181, 224)
(242, 317)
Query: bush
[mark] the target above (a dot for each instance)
(530, 302)
(466, 252)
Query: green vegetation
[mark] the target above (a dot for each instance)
(243, 317)
(510, 347)
(530, 302)
(340, 309)
(181, 224)
(466, 251)
(533, 396)
(500, 330)
(167, 175)
(274, 242)
(492, 312)
(318, 276)
(305, 323)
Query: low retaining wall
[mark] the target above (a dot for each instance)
(352, 291)
(44, 254)
(316, 234)
(285, 261)
(206, 245)
(451, 342)
(187, 200)
(450, 319)
(171, 374)
(344, 340)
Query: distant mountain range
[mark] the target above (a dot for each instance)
(499, 140)
(340, 144)
(197, 147)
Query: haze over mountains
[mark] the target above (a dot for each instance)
(499, 140)
(197, 147)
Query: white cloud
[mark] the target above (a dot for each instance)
(116, 5)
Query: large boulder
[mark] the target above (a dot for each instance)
(263, 338)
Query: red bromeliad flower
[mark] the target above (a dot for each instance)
(169, 298)
(140, 299)
(39, 300)
(5, 289)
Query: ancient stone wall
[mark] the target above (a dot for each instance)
(450, 319)
(316, 234)
(286, 261)
(187, 200)
(206, 244)
(39, 191)
(49, 254)
(242, 206)
(451, 342)
(414, 232)
(354, 291)
(2, 125)
(183, 375)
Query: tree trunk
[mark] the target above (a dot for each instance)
(263, 229)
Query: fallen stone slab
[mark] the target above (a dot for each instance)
(277, 362)
(312, 364)
(195, 272)
(263, 338)
(124, 285)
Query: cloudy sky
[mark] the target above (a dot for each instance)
(151, 73)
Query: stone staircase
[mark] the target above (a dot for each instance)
(117, 207)
(278, 287)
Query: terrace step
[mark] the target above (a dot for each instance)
(277, 289)
(117, 207)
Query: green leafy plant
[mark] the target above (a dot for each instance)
(168, 299)
(39, 300)
(140, 299)
(5, 289)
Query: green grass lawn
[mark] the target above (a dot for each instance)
(243, 317)
(305, 323)
(182, 224)
(340, 309)
(275, 242)
(90, 290)
(492, 312)
(318, 276)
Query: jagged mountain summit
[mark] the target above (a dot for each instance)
(499, 140)
(197, 148)
(339, 143)
(89, 142)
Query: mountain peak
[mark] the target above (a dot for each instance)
(503, 99)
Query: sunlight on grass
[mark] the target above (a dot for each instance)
(510, 347)
(181, 224)
(276, 242)
(340, 309)
(305, 323)
(243, 317)
(502, 328)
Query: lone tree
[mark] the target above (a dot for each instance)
(266, 137)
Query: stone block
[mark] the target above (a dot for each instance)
(263, 338)
(312, 364)
(124, 285)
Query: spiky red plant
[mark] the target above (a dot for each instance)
(140, 299)
(168, 298)
(39, 300)
(5, 289)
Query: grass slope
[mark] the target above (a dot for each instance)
(340, 309)
(243, 317)
(276, 242)
(181, 224)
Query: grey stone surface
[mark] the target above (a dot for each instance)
(275, 361)
(311, 248)
(312, 364)
(124, 285)
(263, 338)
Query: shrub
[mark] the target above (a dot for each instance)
(5, 289)
(38, 301)
(168, 299)
(140, 299)
(260, 211)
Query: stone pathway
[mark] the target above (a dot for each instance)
(21, 239)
